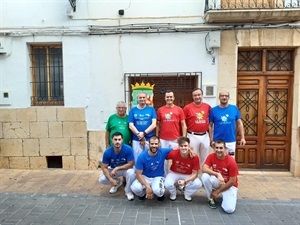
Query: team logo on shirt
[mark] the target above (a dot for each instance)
(168, 116)
(224, 119)
(200, 115)
(154, 165)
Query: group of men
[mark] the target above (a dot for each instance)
(183, 138)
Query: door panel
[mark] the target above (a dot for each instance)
(265, 104)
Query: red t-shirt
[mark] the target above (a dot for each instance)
(227, 167)
(183, 165)
(196, 117)
(170, 120)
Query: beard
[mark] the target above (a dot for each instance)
(153, 150)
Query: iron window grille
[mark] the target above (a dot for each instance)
(47, 75)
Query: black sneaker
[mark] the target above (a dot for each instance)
(212, 204)
(142, 198)
(161, 199)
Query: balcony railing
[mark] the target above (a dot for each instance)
(250, 4)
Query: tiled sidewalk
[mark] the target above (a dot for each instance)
(60, 197)
(254, 186)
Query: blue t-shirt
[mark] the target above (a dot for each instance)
(224, 120)
(142, 119)
(152, 166)
(113, 160)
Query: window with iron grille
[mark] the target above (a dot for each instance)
(181, 83)
(47, 75)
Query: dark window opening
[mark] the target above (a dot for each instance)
(54, 162)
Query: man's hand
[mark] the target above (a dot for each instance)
(221, 179)
(113, 182)
(113, 172)
(192, 153)
(143, 142)
(242, 141)
(214, 194)
(149, 193)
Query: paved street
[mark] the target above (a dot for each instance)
(43, 204)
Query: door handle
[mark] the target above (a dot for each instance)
(267, 120)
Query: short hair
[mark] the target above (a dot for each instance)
(121, 103)
(154, 137)
(198, 89)
(117, 134)
(220, 141)
(182, 140)
(141, 92)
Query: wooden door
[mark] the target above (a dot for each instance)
(265, 102)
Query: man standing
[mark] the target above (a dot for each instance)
(219, 176)
(184, 171)
(170, 123)
(142, 122)
(118, 123)
(150, 172)
(196, 117)
(225, 119)
(118, 162)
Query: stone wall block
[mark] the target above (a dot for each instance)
(39, 129)
(4, 162)
(231, 42)
(37, 163)
(74, 129)
(55, 129)
(283, 37)
(96, 147)
(31, 147)
(70, 114)
(79, 146)
(26, 114)
(16, 130)
(68, 162)
(11, 147)
(243, 37)
(46, 114)
(1, 129)
(19, 163)
(8, 115)
(81, 163)
(55, 146)
(268, 37)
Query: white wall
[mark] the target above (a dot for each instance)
(94, 65)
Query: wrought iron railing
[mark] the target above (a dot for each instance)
(47, 93)
(250, 4)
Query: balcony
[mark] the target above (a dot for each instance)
(252, 11)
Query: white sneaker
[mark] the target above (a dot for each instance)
(114, 189)
(173, 197)
(130, 196)
(188, 197)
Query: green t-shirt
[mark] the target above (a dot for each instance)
(118, 124)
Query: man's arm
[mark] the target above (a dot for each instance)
(193, 176)
(158, 123)
(126, 166)
(207, 169)
(183, 128)
(141, 179)
(240, 128)
(107, 136)
(107, 174)
(210, 133)
(223, 187)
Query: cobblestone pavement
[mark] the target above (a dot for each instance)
(74, 197)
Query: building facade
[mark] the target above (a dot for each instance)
(65, 64)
